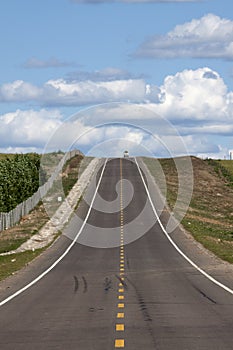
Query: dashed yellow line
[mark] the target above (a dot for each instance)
(121, 306)
(119, 343)
(120, 327)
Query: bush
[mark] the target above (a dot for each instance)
(19, 179)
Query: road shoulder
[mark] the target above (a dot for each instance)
(206, 260)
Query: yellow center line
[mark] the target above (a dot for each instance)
(119, 343)
(120, 327)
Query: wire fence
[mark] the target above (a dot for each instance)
(9, 219)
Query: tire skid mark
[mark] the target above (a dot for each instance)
(76, 284)
(145, 313)
(85, 284)
(204, 294)
(107, 284)
(122, 281)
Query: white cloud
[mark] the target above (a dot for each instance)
(207, 37)
(197, 102)
(73, 93)
(28, 129)
(196, 96)
(52, 62)
(186, 98)
(89, 92)
(19, 91)
(10, 149)
(199, 144)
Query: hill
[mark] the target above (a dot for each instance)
(210, 215)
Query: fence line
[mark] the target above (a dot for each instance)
(9, 219)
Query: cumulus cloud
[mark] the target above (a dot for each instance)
(196, 97)
(28, 129)
(63, 92)
(188, 97)
(207, 37)
(53, 62)
(197, 102)
(19, 91)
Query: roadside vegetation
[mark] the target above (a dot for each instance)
(19, 179)
(210, 215)
(29, 225)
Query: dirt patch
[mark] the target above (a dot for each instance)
(208, 220)
(211, 192)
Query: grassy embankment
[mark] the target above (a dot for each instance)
(210, 215)
(12, 238)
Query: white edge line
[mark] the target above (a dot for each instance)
(212, 279)
(65, 252)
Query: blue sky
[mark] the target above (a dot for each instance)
(172, 58)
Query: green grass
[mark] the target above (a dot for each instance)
(9, 264)
(224, 169)
(11, 244)
(216, 239)
(208, 229)
(228, 164)
(210, 217)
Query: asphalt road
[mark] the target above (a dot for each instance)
(141, 295)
